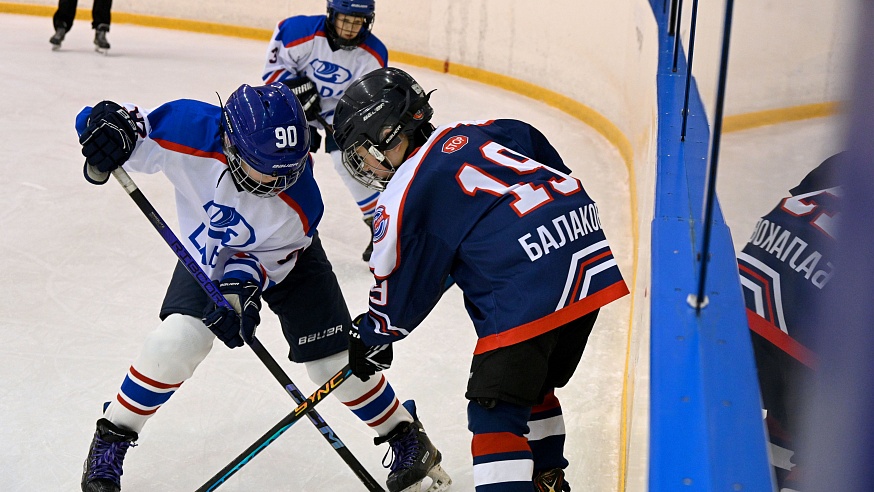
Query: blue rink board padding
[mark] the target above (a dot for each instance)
(706, 428)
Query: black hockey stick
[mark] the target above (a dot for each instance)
(328, 127)
(277, 430)
(212, 291)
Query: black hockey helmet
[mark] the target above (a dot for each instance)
(365, 9)
(373, 112)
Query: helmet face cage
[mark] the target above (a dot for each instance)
(257, 187)
(355, 164)
(373, 114)
(355, 8)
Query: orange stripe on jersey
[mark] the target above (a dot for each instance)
(782, 340)
(304, 40)
(582, 270)
(184, 149)
(552, 321)
(294, 205)
(497, 442)
(152, 382)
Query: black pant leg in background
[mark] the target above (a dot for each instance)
(100, 13)
(65, 14)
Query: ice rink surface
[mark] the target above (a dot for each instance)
(85, 274)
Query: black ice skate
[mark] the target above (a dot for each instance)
(58, 38)
(414, 458)
(101, 45)
(369, 249)
(551, 481)
(102, 470)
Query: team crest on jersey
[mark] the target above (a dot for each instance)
(330, 72)
(454, 143)
(380, 223)
(225, 225)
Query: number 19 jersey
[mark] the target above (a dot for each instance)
(492, 204)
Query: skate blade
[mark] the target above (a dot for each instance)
(440, 481)
(102, 51)
(56, 47)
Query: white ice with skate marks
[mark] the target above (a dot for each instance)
(86, 273)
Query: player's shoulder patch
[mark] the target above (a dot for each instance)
(454, 143)
(381, 220)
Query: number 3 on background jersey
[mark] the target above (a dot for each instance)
(285, 137)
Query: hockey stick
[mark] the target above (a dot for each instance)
(328, 127)
(277, 430)
(212, 291)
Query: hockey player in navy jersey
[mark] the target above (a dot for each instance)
(318, 57)
(248, 209)
(492, 205)
(784, 268)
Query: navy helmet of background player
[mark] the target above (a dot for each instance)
(318, 57)
(248, 208)
(784, 269)
(345, 36)
(491, 205)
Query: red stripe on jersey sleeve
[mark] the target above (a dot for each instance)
(375, 54)
(184, 149)
(294, 205)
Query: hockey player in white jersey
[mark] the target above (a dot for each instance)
(248, 209)
(490, 204)
(318, 57)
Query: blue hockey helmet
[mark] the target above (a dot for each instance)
(356, 8)
(265, 129)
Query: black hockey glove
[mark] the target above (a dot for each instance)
(108, 140)
(363, 360)
(315, 139)
(229, 326)
(307, 94)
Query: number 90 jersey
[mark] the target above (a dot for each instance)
(492, 204)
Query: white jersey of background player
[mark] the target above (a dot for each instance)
(318, 57)
(248, 209)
